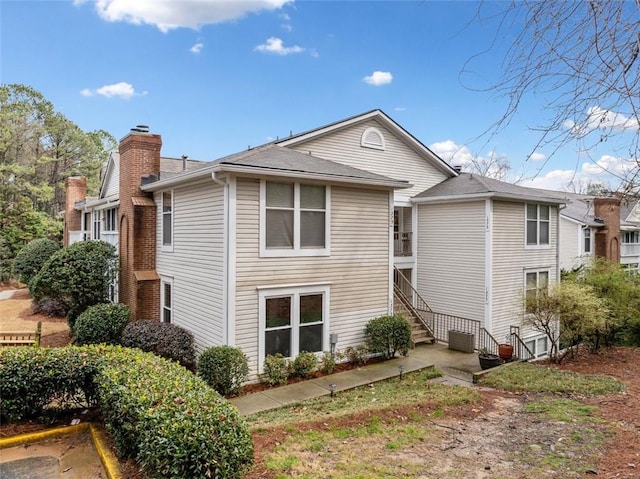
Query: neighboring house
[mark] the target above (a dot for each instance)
(290, 246)
(630, 234)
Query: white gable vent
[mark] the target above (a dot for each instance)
(372, 138)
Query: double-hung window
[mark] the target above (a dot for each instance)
(294, 219)
(167, 219)
(537, 224)
(536, 284)
(587, 240)
(293, 320)
(166, 300)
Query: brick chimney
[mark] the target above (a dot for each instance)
(607, 239)
(75, 190)
(139, 285)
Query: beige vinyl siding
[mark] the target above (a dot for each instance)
(112, 185)
(570, 244)
(357, 269)
(397, 160)
(196, 262)
(510, 261)
(451, 257)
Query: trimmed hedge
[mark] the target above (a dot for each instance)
(164, 339)
(32, 378)
(170, 420)
(101, 323)
(30, 259)
(224, 368)
(388, 335)
(156, 411)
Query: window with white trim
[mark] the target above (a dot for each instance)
(537, 224)
(538, 346)
(294, 219)
(536, 283)
(166, 300)
(630, 237)
(97, 224)
(293, 320)
(587, 240)
(167, 218)
(111, 219)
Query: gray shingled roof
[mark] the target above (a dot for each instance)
(277, 158)
(272, 159)
(472, 185)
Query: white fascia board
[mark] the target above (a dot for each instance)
(99, 204)
(484, 195)
(572, 220)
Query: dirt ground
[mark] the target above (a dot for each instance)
(494, 439)
(498, 438)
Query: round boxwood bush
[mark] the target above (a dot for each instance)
(30, 259)
(164, 339)
(101, 323)
(388, 335)
(224, 368)
(304, 364)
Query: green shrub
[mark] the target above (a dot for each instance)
(224, 368)
(30, 259)
(101, 323)
(164, 339)
(77, 277)
(304, 364)
(169, 419)
(357, 355)
(388, 335)
(31, 379)
(157, 412)
(327, 362)
(275, 370)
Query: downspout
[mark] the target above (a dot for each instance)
(560, 208)
(225, 258)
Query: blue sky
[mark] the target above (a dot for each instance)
(213, 77)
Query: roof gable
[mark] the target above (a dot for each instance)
(110, 185)
(381, 118)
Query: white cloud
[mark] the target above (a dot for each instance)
(609, 165)
(378, 78)
(197, 48)
(169, 14)
(122, 90)
(452, 153)
(275, 45)
(536, 156)
(399, 108)
(599, 118)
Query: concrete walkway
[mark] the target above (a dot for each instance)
(458, 369)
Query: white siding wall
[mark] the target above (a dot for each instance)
(196, 263)
(112, 185)
(451, 258)
(357, 269)
(570, 244)
(510, 260)
(397, 161)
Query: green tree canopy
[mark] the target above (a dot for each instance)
(39, 149)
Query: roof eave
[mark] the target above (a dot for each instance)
(487, 195)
